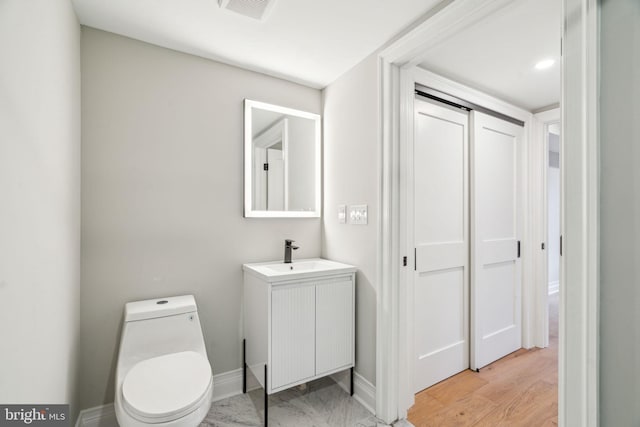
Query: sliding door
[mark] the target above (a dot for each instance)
(441, 303)
(496, 212)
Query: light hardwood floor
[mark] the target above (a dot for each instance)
(520, 389)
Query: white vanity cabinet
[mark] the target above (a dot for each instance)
(299, 321)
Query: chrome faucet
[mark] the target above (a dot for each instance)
(287, 250)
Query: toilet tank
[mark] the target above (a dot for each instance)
(160, 326)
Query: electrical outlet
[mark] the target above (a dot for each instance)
(342, 214)
(358, 214)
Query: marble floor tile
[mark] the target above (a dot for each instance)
(321, 403)
(233, 412)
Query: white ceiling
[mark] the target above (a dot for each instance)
(498, 54)
(308, 41)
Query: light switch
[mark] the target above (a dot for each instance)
(342, 214)
(358, 214)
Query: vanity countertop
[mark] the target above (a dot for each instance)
(275, 271)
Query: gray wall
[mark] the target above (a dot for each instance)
(162, 189)
(620, 214)
(39, 201)
(302, 157)
(350, 178)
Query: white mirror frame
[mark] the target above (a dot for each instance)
(249, 212)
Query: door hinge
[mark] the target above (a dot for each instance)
(543, 246)
(415, 259)
(518, 248)
(404, 261)
(265, 166)
(561, 245)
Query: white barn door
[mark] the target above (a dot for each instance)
(441, 280)
(496, 224)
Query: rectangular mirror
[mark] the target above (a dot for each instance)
(281, 162)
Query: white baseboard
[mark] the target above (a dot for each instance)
(229, 384)
(363, 391)
(100, 416)
(554, 287)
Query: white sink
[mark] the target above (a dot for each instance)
(299, 266)
(298, 269)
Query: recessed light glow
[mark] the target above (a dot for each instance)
(544, 64)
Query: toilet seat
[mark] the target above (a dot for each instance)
(167, 387)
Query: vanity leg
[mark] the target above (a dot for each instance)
(351, 382)
(266, 399)
(244, 366)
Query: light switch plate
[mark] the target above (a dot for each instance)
(342, 214)
(358, 214)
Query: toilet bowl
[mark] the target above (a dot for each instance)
(163, 376)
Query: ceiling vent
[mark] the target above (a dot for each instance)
(256, 9)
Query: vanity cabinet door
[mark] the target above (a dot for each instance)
(334, 325)
(292, 334)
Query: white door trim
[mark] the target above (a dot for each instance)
(540, 223)
(579, 313)
(577, 380)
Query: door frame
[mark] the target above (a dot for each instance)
(541, 122)
(578, 356)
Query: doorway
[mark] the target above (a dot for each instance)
(553, 207)
(547, 134)
(578, 314)
(500, 253)
(270, 165)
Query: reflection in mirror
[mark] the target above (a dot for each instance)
(282, 161)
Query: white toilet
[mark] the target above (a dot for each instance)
(163, 376)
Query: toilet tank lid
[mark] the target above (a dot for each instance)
(159, 307)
